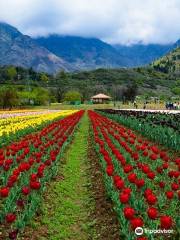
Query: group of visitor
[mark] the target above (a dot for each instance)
(172, 106)
(168, 105)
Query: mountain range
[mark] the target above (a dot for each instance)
(84, 53)
(21, 50)
(55, 52)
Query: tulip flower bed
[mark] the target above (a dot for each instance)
(170, 120)
(140, 178)
(16, 126)
(20, 113)
(151, 125)
(25, 169)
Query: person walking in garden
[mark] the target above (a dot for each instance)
(144, 106)
(135, 104)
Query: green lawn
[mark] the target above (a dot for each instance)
(78, 107)
(101, 106)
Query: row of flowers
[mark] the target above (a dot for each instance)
(25, 169)
(141, 179)
(16, 113)
(162, 118)
(160, 133)
(16, 126)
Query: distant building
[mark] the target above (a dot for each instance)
(100, 98)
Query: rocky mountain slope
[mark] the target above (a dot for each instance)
(141, 54)
(20, 50)
(92, 53)
(84, 53)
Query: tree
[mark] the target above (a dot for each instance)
(11, 72)
(41, 96)
(72, 96)
(130, 92)
(44, 78)
(8, 97)
(176, 90)
(61, 80)
(37, 96)
(26, 97)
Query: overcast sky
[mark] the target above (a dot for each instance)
(114, 21)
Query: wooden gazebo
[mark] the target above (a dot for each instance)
(100, 98)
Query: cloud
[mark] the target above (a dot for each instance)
(114, 21)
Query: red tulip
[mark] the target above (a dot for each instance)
(128, 168)
(4, 192)
(33, 177)
(135, 156)
(13, 235)
(48, 162)
(24, 167)
(153, 156)
(26, 151)
(20, 203)
(147, 192)
(169, 194)
(165, 165)
(174, 186)
(109, 170)
(155, 149)
(25, 190)
(166, 222)
(13, 178)
(140, 183)
(162, 154)
(16, 172)
(129, 213)
(10, 217)
(161, 184)
(145, 153)
(179, 195)
(176, 174)
(131, 141)
(166, 158)
(151, 175)
(132, 177)
(120, 184)
(172, 174)
(151, 199)
(159, 169)
(145, 169)
(124, 198)
(127, 191)
(136, 222)
(142, 238)
(177, 161)
(35, 185)
(116, 178)
(6, 167)
(152, 213)
(143, 147)
(40, 173)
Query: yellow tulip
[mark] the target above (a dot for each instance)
(14, 124)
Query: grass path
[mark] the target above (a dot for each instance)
(68, 203)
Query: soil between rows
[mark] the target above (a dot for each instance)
(107, 226)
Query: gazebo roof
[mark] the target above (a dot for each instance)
(100, 96)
